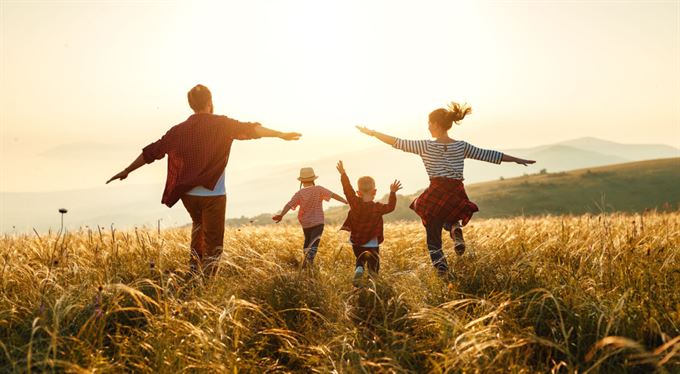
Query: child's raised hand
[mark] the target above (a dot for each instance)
(340, 167)
(277, 218)
(366, 130)
(396, 186)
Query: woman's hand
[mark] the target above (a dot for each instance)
(395, 186)
(517, 160)
(366, 130)
(387, 139)
(525, 162)
(277, 218)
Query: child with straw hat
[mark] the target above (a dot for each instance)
(310, 199)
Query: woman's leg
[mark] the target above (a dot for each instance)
(433, 230)
(456, 232)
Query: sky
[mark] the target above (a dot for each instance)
(113, 75)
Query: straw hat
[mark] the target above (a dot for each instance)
(307, 175)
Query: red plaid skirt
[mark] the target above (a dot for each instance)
(445, 199)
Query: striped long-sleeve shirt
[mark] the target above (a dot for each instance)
(446, 160)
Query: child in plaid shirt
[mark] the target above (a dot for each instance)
(444, 204)
(310, 199)
(364, 221)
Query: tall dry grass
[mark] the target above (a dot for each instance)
(574, 294)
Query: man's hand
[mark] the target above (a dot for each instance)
(277, 218)
(340, 167)
(290, 136)
(525, 162)
(122, 175)
(366, 130)
(395, 186)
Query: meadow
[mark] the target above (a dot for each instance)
(590, 293)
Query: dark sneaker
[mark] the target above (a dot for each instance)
(458, 241)
(447, 275)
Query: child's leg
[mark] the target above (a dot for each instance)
(372, 259)
(359, 256)
(312, 241)
(434, 245)
(358, 265)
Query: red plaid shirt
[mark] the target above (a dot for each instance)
(364, 220)
(444, 200)
(198, 152)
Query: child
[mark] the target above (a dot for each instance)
(310, 200)
(364, 221)
(444, 204)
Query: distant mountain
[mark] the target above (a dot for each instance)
(265, 188)
(562, 157)
(633, 152)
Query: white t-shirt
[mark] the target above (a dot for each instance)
(219, 189)
(373, 243)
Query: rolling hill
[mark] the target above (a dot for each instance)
(627, 187)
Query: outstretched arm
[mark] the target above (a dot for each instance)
(492, 156)
(347, 188)
(277, 218)
(411, 146)
(263, 132)
(392, 201)
(387, 139)
(292, 204)
(136, 164)
(338, 198)
(521, 161)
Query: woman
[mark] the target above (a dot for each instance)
(444, 204)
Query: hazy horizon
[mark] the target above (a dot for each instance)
(266, 187)
(247, 156)
(534, 73)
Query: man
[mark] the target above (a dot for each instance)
(198, 152)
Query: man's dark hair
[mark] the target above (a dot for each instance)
(199, 97)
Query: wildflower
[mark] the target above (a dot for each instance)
(62, 211)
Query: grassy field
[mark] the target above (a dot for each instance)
(592, 293)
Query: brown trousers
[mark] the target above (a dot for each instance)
(207, 234)
(367, 257)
